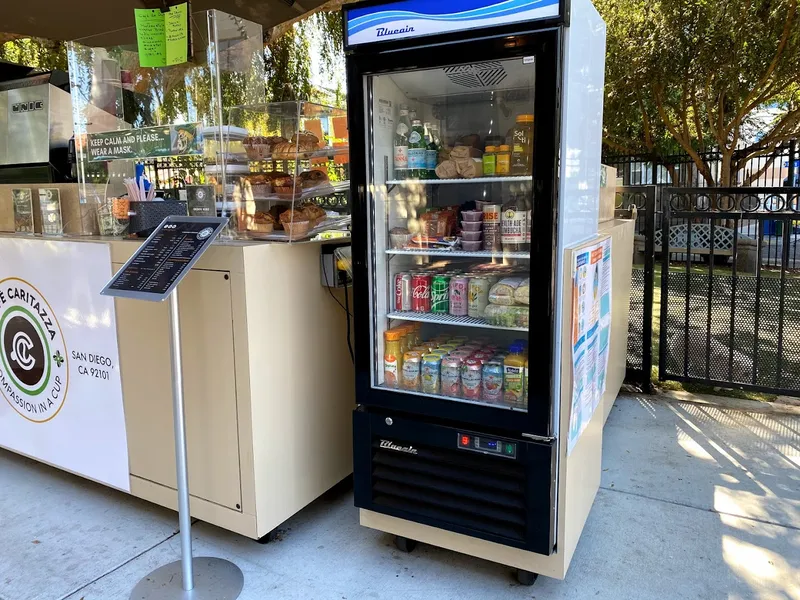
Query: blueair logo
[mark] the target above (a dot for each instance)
(383, 31)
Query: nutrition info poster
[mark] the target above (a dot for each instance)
(590, 332)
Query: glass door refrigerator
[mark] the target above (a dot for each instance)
(460, 174)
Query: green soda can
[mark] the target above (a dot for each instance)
(440, 294)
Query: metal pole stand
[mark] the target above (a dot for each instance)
(187, 579)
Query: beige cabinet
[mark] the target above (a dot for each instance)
(269, 386)
(210, 388)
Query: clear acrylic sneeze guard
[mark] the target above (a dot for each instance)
(178, 111)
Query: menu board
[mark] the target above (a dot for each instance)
(165, 258)
(50, 207)
(201, 200)
(23, 210)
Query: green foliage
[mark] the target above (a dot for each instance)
(689, 75)
(43, 55)
(288, 58)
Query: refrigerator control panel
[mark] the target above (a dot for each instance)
(485, 445)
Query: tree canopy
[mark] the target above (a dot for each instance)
(693, 75)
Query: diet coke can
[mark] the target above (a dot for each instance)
(421, 292)
(459, 293)
(402, 291)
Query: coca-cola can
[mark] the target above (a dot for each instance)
(421, 292)
(459, 296)
(402, 291)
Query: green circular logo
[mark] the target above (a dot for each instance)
(33, 358)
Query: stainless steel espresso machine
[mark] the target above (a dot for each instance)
(35, 126)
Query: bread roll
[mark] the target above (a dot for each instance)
(447, 170)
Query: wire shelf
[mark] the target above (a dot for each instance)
(509, 179)
(521, 406)
(448, 320)
(459, 253)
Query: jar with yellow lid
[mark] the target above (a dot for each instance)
(503, 161)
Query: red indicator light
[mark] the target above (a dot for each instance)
(465, 440)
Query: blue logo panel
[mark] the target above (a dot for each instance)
(415, 18)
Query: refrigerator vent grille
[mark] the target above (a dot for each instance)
(451, 487)
(480, 75)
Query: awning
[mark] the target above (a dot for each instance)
(75, 19)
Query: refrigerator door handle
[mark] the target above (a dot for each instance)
(539, 438)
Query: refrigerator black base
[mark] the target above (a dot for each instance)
(499, 489)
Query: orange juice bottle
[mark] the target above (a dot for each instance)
(514, 375)
(392, 357)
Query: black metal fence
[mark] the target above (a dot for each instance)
(730, 287)
(778, 167)
(640, 321)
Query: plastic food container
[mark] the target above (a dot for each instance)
(471, 246)
(472, 236)
(472, 215)
(472, 225)
(400, 240)
(297, 230)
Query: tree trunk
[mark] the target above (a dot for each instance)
(725, 169)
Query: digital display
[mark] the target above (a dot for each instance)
(486, 445)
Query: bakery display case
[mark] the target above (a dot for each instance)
(293, 159)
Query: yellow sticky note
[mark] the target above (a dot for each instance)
(176, 26)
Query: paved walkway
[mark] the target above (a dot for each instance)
(696, 502)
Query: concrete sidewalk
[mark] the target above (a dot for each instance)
(696, 502)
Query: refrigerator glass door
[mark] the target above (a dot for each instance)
(450, 165)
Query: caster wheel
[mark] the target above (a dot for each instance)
(526, 577)
(404, 544)
(270, 537)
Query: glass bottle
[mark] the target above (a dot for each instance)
(503, 154)
(432, 153)
(513, 224)
(522, 148)
(416, 151)
(402, 132)
(489, 162)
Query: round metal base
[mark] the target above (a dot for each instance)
(214, 579)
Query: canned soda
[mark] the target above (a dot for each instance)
(478, 297)
(471, 379)
(451, 376)
(493, 381)
(411, 370)
(440, 294)
(421, 293)
(459, 289)
(431, 366)
(402, 291)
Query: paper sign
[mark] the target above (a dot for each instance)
(591, 327)
(146, 142)
(176, 27)
(151, 37)
(163, 38)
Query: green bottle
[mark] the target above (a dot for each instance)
(417, 166)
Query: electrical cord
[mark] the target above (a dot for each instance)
(345, 308)
(343, 276)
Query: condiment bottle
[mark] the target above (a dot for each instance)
(489, 162)
(503, 163)
(522, 149)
